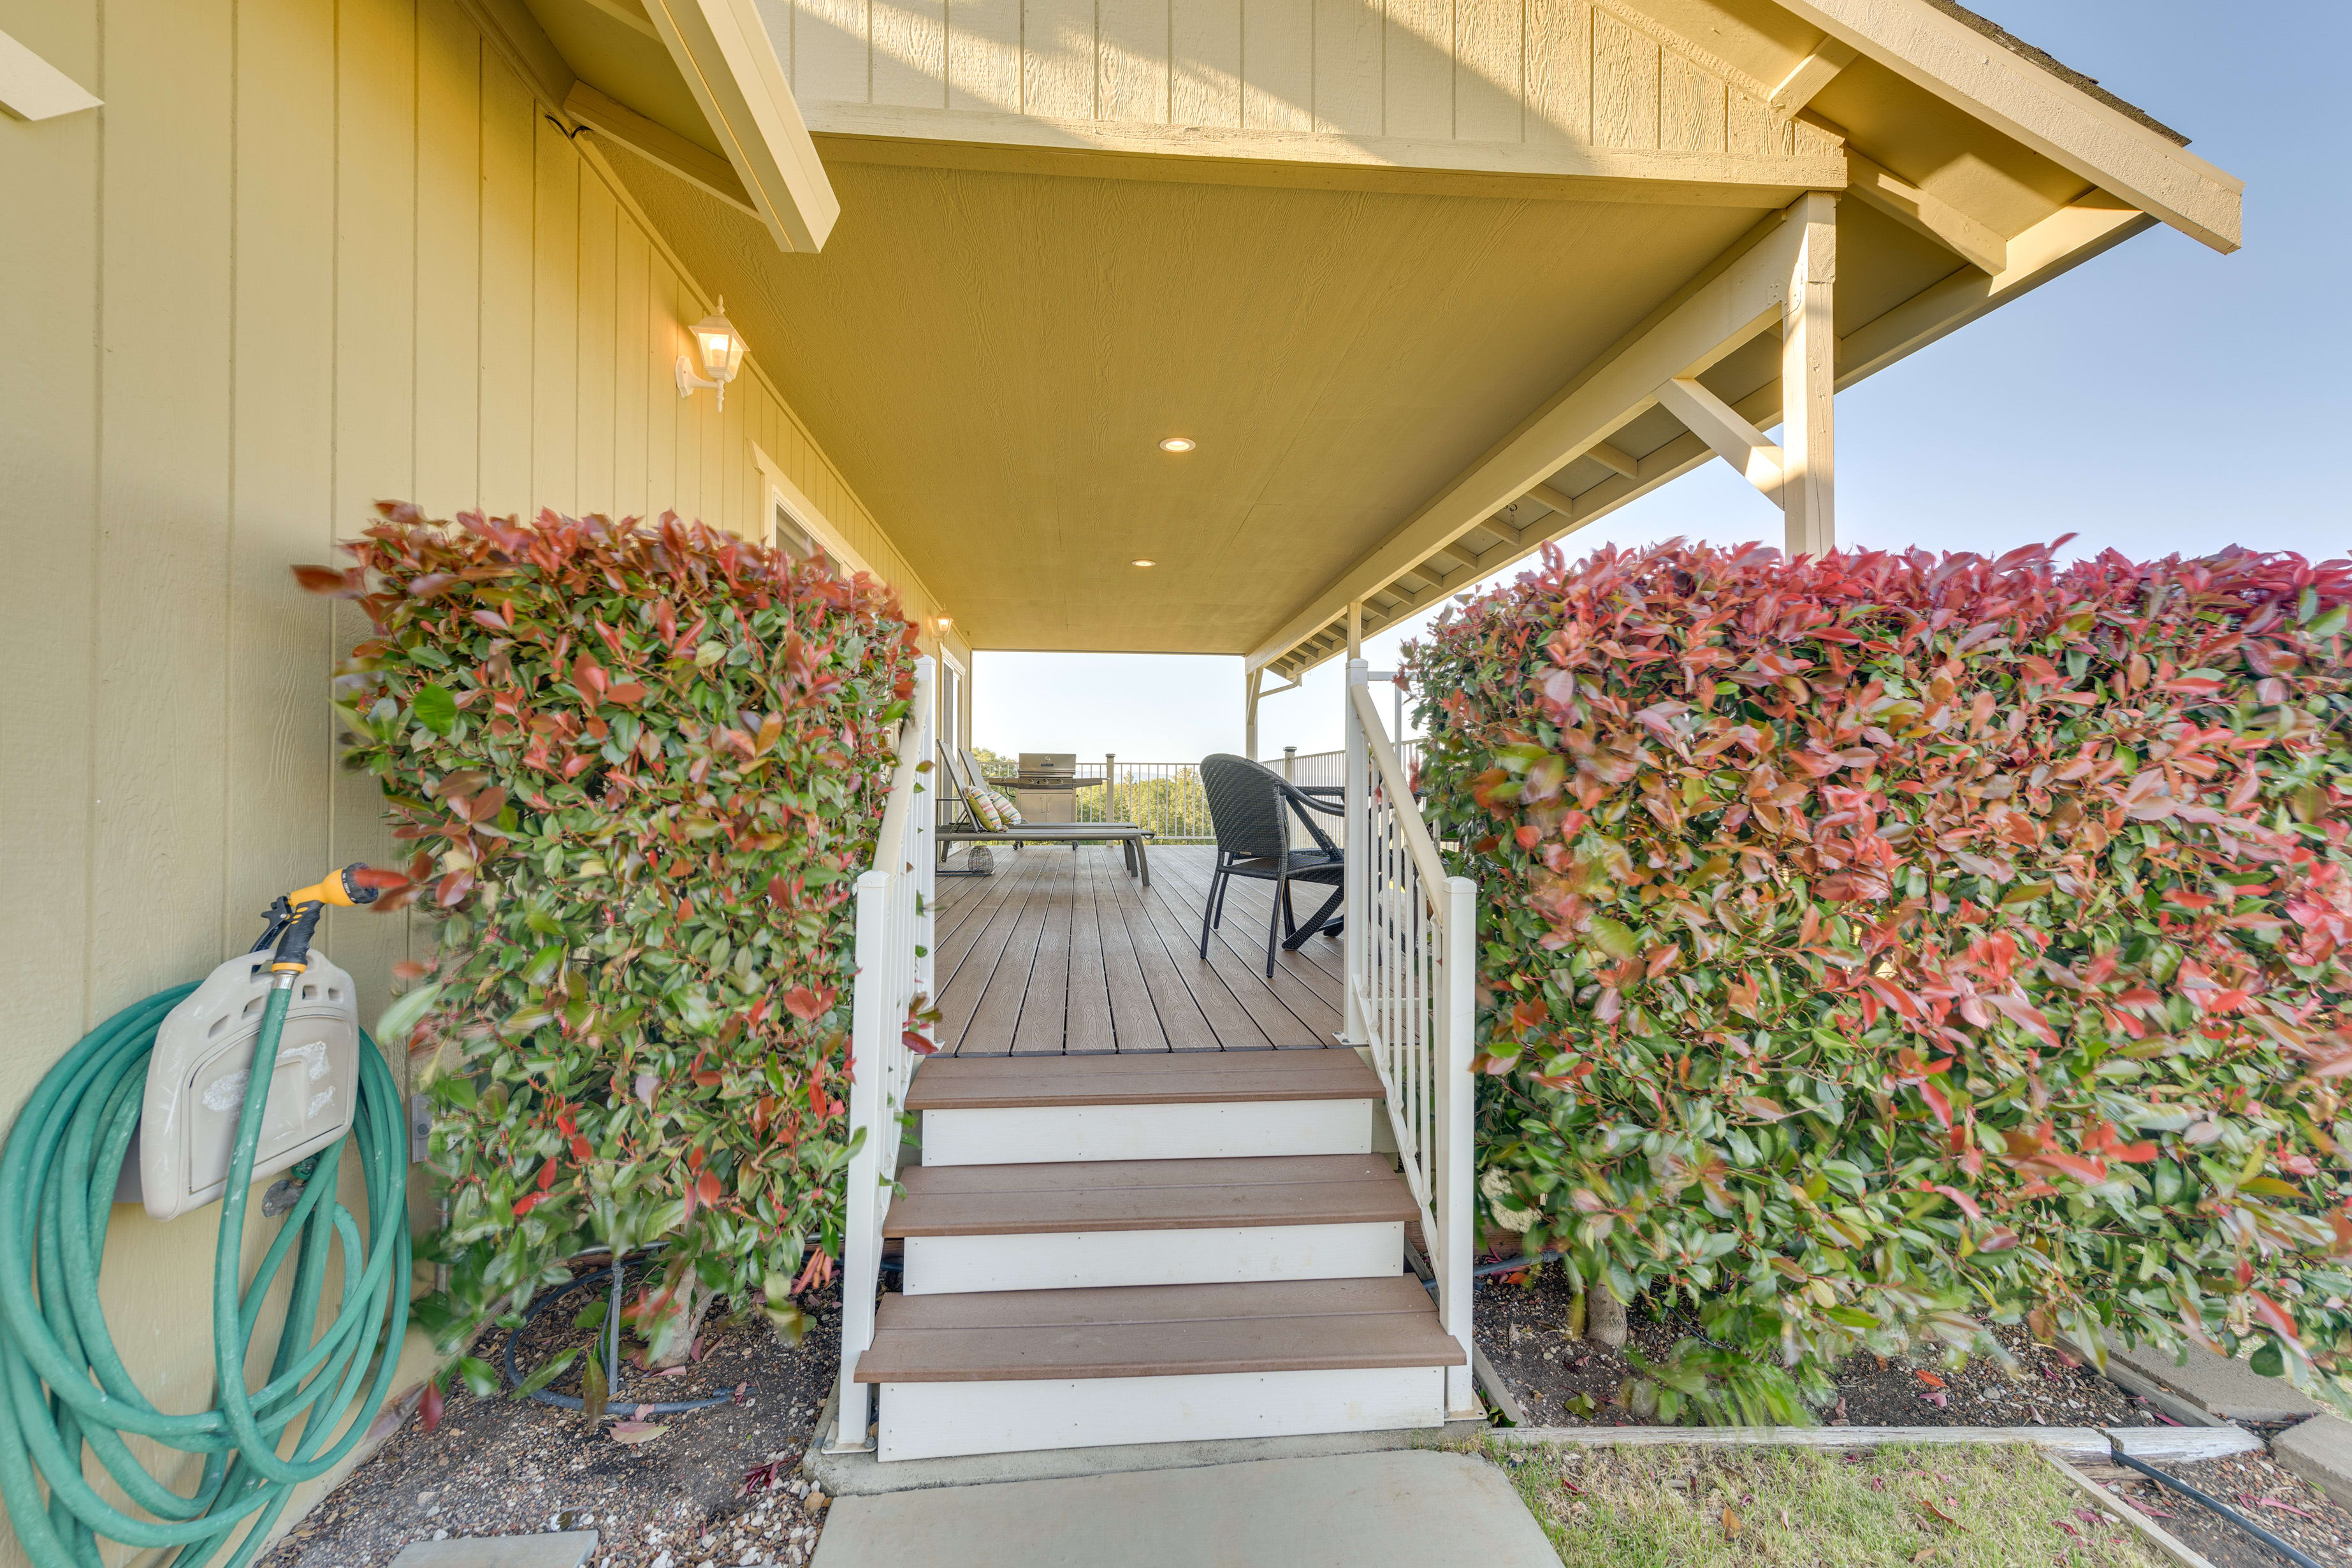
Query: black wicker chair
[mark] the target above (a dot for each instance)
(1250, 807)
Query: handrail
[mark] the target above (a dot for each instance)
(1398, 786)
(893, 975)
(1412, 1005)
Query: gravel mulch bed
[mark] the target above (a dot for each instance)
(504, 1466)
(1561, 1381)
(2295, 1511)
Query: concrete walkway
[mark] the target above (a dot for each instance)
(1396, 1509)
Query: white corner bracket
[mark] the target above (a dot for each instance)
(32, 89)
(1797, 474)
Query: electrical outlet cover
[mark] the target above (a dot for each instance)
(204, 1060)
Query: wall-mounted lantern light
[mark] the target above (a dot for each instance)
(721, 347)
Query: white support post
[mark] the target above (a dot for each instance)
(1809, 377)
(1458, 1112)
(1252, 683)
(861, 1264)
(1354, 629)
(1354, 875)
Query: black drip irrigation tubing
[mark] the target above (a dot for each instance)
(2224, 1510)
(613, 1362)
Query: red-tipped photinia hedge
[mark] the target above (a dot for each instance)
(1876, 945)
(643, 766)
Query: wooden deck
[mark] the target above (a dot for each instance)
(1061, 951)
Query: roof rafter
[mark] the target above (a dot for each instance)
(1944, 56)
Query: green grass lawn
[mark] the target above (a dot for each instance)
(1716, 1508)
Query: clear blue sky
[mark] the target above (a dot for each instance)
(2159, 398)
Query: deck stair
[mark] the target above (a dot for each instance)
(1149, 1248)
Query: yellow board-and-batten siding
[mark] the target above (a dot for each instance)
(310, 254)
(1563, 72)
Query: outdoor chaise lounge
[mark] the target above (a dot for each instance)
(968, 788)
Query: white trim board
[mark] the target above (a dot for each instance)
(936, 1420)
(802, 511)
(33, 89)
(1062, 1260)
(1024, 1135)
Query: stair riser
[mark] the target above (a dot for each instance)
(934, 1420)
(1039, 1134)
(1076, 1259)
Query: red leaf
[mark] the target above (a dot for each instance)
(809, 1006)
(326, 580)
(525, 1205)
(429, 1408)
(1968, 1204)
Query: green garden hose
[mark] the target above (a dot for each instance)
(57, 1194)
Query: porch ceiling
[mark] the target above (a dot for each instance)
(994, 357)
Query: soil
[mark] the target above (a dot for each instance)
(2243, 1482)
(1562, 1382)
(718, 1488)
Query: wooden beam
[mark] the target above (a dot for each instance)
(516, 33)
(1732, 438)
(1561, 169)
(1559, 501)
(655, 143)
(1976, 244)
(722, 48)
(1812, 74)
(1809, 347)
(1736, 298)
(630, 14)
(1452, 558)
(1611, 458)
(33, 89)
(2099, 143)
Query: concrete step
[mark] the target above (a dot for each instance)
(1016, 1371)
(1075, 1225)
(1189, 1105)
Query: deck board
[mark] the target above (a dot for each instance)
(1061, 952)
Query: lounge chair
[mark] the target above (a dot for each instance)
(964, 823)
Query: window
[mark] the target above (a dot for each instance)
(793, 524)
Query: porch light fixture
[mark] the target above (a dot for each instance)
(944, 622)
(1177, 444)
(721, 347)
(1143, 563)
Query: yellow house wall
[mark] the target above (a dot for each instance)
(310, 253)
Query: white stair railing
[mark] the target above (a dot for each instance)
(894, 975)
(1412, 999)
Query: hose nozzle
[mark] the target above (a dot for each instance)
(341, 887)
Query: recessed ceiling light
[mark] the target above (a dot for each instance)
(1141, 563)
(1177, 444)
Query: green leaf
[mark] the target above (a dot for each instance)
(478, 1374)
(399, 1020)
(546, 1374)
(1614, 938)
(593, 1393)
(435, 708)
